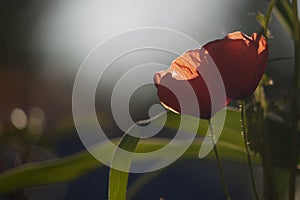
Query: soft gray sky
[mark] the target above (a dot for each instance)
(68, 30)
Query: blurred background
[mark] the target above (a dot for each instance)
(42, 45)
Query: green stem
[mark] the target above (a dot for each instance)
(266, 158)
(294, 103)
(265, 153)
(245, 135)
(268, 17)
(219, 162)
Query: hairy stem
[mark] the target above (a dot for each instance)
(245, 135)
(219, 162)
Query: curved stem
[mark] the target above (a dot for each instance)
(268, 17)
(245, 136)
(219, 162)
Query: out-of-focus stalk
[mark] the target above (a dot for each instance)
(294, 103)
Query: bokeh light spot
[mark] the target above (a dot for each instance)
(19, 118)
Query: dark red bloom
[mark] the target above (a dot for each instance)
(241, 61)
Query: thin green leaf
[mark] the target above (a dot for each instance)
(118, 179)
(230, 146)
(284, 14)
(47, 172)
(70, 167)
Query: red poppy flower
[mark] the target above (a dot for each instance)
(241, 61)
